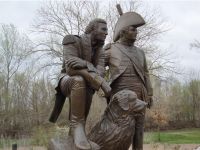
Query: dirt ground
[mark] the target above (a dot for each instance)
(146, 147)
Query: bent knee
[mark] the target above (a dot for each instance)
(78, 81)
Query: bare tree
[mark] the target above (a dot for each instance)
(65, 17)
(193, 88)
(13, 50)
(55, 20)
(155, 23)
(59, 18)
(160, 61)
(195, 44)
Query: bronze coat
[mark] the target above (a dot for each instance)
(114, 59)
(79, 48)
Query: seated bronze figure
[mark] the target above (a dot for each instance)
(81, 75)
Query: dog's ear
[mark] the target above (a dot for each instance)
(121, 100)
(123, 103)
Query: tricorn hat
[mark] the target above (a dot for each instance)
(125, 20)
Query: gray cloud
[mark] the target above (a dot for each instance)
(183, 17)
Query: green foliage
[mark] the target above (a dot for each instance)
(29, 104)
(42, 135)
(7, 142)
(186, 136)
(178, 103)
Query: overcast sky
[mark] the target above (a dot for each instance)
(183, 17)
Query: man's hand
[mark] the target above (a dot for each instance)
(76, 63)
(149, 102)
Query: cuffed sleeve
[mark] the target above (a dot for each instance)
(147, 78)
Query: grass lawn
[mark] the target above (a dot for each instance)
(8, 142)
(184, 136)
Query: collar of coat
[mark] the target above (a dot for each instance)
(87, 49)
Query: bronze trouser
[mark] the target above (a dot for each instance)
(92, 78)
(79, 94)
(137, 142)
(75, 86)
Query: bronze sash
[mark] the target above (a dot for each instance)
(136, 65)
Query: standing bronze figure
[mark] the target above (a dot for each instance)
(131, 89)
(128, 67)
(83, 66)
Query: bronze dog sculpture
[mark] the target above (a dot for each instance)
(114, 130)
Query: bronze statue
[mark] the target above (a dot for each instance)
(83, 68)
(128, 67)
(113, 131)
(128, 71)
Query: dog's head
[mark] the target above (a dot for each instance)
(128, 101)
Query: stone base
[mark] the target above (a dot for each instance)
(66, 143)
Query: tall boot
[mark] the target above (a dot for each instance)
(77, 118)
